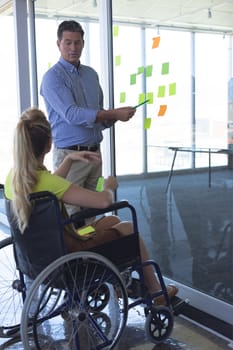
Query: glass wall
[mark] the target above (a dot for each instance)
(186, 88)
(184, 76)
(186, 225)
(8, 93)
(187, 95)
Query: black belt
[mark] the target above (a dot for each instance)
(94, 148)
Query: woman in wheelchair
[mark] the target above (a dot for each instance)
(32, 141)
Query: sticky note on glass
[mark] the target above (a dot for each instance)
(150, 97)
(140, 70)
(83, 231)
(122, 97)
(149, 71)
(162, 110)
(156, 42)
(133, 79)
(165, 68)
(115, 31)
(100, 184)
(117, 60)
(172, 89)
(161, 91)
(141, 98)
(147, 123)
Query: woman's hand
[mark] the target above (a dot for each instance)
(85, 156)
(110, 183)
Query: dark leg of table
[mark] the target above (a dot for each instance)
(171, 171)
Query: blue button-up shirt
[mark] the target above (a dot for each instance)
(72, 98)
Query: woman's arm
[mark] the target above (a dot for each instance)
(84, 156)
(80, 196)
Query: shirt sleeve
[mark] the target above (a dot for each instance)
(46, 182)
(53, 183)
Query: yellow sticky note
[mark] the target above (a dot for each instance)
(115, 31)
(85, 230)
(141, 98)
(122, 97)
(161, 91)
(100, 184)
(150, 97)
(172, 89)
(147, 123)
(117, 60)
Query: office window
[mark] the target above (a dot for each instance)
(8, 94)
(187, 93)
(212, 76)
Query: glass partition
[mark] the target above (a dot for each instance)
(185, 217)
(8, 93)
(187, 226)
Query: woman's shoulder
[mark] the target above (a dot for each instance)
(51, 182)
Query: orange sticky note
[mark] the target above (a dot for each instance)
(162, 110)
(156, 42)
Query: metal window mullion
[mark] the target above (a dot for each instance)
(22, 56)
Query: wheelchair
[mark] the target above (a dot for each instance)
(78, 300)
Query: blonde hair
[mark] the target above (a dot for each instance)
(32, 136)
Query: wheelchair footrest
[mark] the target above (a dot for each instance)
(178, 305)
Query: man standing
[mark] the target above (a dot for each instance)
(74, 101)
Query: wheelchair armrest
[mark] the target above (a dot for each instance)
(90, 212)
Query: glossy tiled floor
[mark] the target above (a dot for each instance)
(185, 336)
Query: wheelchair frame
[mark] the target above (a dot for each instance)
(79, 300)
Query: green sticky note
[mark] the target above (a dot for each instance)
(147, 123)
(165, 68)
(133, 79)
(122, 97)
(141, 98)
(140, 70)
(149, 71)
(117, 60)
(115, 31)
(161, 91)
(150, 97)
(172, 89)
(100, 184)
(85, 230)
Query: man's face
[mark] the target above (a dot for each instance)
(71, 46)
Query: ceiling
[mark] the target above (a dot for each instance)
(213, 15)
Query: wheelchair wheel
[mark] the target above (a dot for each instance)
(76, 322)
(11, 291)
(98, 298)
(159, 324)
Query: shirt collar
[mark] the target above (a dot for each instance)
(68, 65)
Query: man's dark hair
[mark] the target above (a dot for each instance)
(69, 26)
